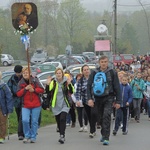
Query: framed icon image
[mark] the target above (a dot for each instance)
(24, 15)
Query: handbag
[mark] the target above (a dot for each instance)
(45, 101)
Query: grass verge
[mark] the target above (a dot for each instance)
(47, 118)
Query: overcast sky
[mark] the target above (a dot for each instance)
(101, 5)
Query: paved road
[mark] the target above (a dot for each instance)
(138, 138)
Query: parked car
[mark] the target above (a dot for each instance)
(126, 58)
(67, 61)
(56, 64)
(59, 56)
(91, 55)
(7, 72)
(87, 58)
(45, 67)
(6, 77)
(80, 58)
(39, 56)
(35, 70)
(50, 59)
(44, 75)
(75, 69)
(7, 59)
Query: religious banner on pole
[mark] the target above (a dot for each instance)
(25, 21)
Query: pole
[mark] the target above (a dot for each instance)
(8, 126)
(28, 60)
(115, 26)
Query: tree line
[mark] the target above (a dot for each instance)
(69, 22)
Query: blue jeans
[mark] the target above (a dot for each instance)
(136, 105)
(30, 118)
(68, 119)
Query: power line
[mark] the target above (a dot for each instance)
(132, 5)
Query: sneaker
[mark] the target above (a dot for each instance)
(98, 126)
(32, 141)
(25, 140)
(62, 139)
(20, 138)
(91, 135)
(121, 126)
(67, 124)
(1, 141)
(73, 125)
(106, 142)
(57, 129)
(138, 121)
(81, 129)
(85, 129)
(101, 139)
(125, 133)
(114, 132)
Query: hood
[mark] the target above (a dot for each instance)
(148, 83)
(64, 79)
(137, 79)
(1, 83)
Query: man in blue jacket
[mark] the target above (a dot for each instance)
(13, 83)
(6, 107)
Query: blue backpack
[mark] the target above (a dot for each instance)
(100, 85)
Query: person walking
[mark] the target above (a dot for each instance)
(13, 83)
(126, 99)
(60, 87)
(72, 113)
(138, 87)
(6, 107)
(81, 97)
(82, 116)
(28, 90)
(147, 95)
(104, 102)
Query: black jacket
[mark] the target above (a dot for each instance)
(113, 83)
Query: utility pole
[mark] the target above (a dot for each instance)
(115, 26)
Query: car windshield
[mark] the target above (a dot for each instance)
(89, 54)
(10, 57)
(118, 58)
(55, 64)
(40, 55)
(44, 76)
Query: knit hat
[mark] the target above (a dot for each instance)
(18, 69)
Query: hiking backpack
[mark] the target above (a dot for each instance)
(100, 85)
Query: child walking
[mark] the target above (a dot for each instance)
(126, 99)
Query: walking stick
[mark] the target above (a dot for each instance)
(8, 127)
(27, 44)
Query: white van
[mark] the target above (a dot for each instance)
(7, 59)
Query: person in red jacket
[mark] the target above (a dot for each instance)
(31, 104)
